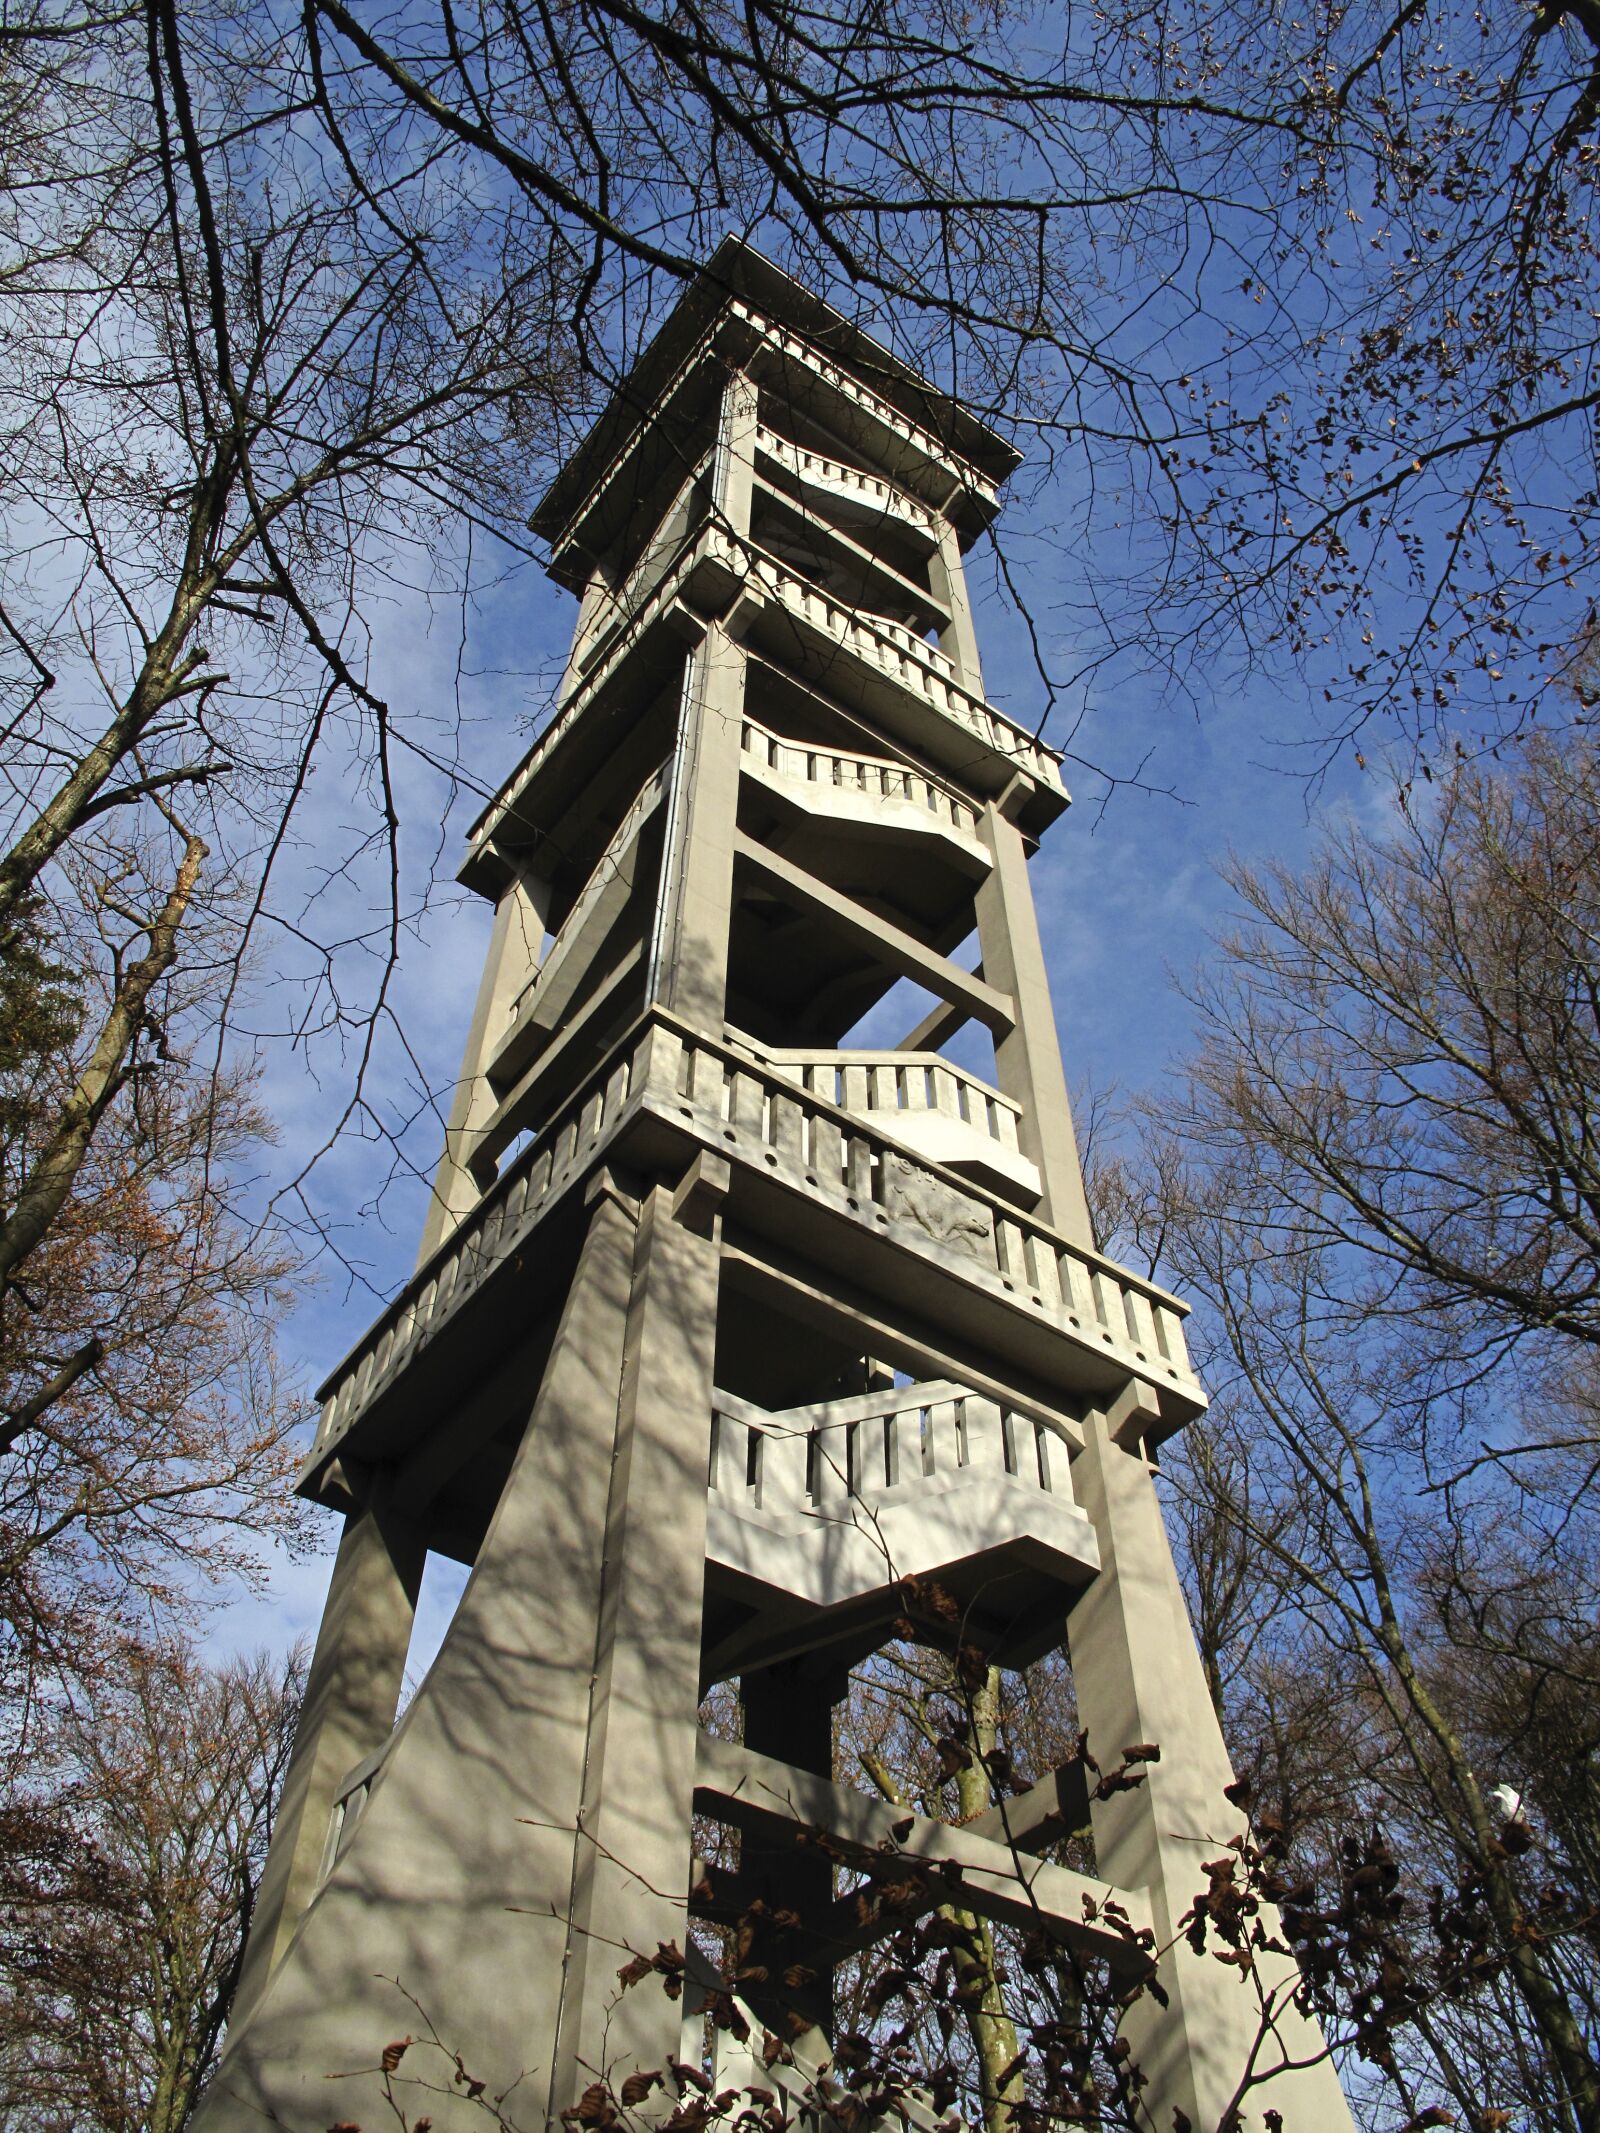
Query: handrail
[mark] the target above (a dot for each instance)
(849, 770)
(857, 1450)
(838, 474)
(867, 1081)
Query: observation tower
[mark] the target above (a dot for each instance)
(734, 1341)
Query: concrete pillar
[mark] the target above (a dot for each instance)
(598, 596)
(1028, 1059)
(457, 1880)
(689, 944)
(631, 1872)
(788, 1713)
(1139, 1681)
(515, 942)
(733, 469)
(958, 640)
(352, 1691)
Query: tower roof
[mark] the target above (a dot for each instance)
(738, 273)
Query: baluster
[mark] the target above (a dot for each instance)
(616, 1092)
(856, 1096)
(1043, 1268)
(827, 1149)
(1107, 1301)
(858, 1166)
(903, 1446)
(830, 1467)
(704, 1078)
(1141, 1322)
(788, 1127)
(516, 1200)
(1058, 1458)
(1009, 1247)
(781, 1451)
(1043, 1452)
(944, 1437)
(1170, 1336)
(985, 1432)
(1002, 1124)
(566, 1144)
(539, 1175)
(1015, 1432)
(946, 1098)
(746, 1103)
(658, 1060)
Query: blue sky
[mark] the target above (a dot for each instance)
(1126, 888)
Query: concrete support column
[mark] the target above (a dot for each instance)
(733, 470)
(1028, 1058)
(958, 640)
(788, 1713)
(1139, 1681)
(598, 595)
(458, 1876)
(630, 1880)
(352, 1692)
(689, 945)
(515, 943)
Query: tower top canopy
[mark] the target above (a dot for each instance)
(945, 452)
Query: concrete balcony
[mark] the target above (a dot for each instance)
(811, 1185)
(842, 491)
(863, 660)
(849, 787)
(831, 1506)
(931, 1106)
(877, 664)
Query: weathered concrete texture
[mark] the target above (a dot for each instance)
(1139, 1682)
(632, 1858)
(352, 1690)
(689, 952)
(515, 942)
(1028, 1055)
(457, 1883)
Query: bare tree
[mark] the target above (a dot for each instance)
(130, 1862)
(1400, 1049)
(1373, 1175)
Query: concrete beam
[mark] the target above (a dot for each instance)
(763, 1797)
(867, 930)
(910, 1349)
(936, 1029)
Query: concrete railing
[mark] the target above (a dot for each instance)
(881, 645)
(761, 1117)
(936, 1107)
(836, 477)
(842, 770)
(488, 1235)
(855, 1451)
(600, 879)
(922, 441)
(783, 1124)
(900, 656)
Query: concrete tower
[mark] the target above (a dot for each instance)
(723, 1327)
